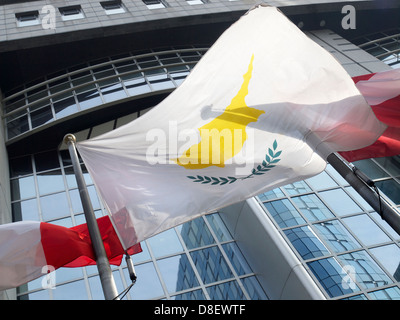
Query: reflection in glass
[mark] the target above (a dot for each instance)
(392, 293)
(254, 289)
(339, 202)
(312, 207)
(50, 181)
(336, 236)
(226, 291)
(177, 273)
(391, 164)
(284, 213)
(195, 233)
(366, 230)
(25, 210)
(306, 242)
(147, 285)
(368, 274)
(371, 169)
(20, 166)
(389, 257)
(330, 274)
(270, 195)
(211, 265)
(165, 243)
(219, 228)
(236, 258)
(297, 187)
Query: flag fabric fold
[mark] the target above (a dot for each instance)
(28, 249)
(262, 108)
(382, 92)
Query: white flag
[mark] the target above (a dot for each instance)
(262, 108)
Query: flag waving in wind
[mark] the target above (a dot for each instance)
(263, 108)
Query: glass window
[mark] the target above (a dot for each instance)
(236, 258)
(25, 210)
(391, 164)
(50, 182)
(357, 197)
(332, 277)
(368, 274)
(154, 4)
(284, 213)
(366, 230)
(389, 257)
(165, 243)
(65, 107)
(177, 273)
(25, 19)
(226, 291)
(371, 169)
(113, 92)
(254, 289)
(89, 99)
(306, 242)
(17, 126)
(46, 160)
(211, 265)
(20, 166)
(147, 285)
(270, 195)
(339, 202)
(195, 233)
(312, 207)
(54, 206)
(391, 189)
(23, 188)
(71, 13)
(336, 236)
(297, 188)
(71, 291)
(392, 293)
(321, 181)
(113, 7)
(219, 228)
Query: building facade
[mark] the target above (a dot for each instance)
(89, 67)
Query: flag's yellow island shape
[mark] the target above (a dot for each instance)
(223, 137)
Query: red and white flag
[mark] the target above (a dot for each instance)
(28, 249)
(382, 92)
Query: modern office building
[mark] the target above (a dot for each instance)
(87, 67)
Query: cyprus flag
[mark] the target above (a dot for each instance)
(262, 108)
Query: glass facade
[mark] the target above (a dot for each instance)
(350, 251)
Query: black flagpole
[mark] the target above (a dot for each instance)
(366, 188)
(103, 265)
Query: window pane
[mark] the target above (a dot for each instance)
(236, 258)
(270, 195)
(25, 210)
(177, 273)
(54, 206)
(284, 213)
(50, 181)
(332, 277)
(389, 257)
(306, 242)
(312, 207)
(386, 294)
(366, 230)
(192, 295)
(218, 226)
(41, 116)
(321, 181)
(46, 161)
(226, 291)
(23, 188)
(147, 285)
(339, 202)
(391, 164)
(20, 166)
(336, 236)
(71, 291)
(195, 233)
(165, 243)
(254, 289)
(366, 271)
(211, 265)
(297, 188)
(390, 188)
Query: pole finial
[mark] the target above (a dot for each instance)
(69, 138)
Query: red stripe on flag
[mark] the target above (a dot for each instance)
(72, 247)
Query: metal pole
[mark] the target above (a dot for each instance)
(103, 265)
(363, 185)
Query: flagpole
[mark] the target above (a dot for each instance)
(103, 265)
(364, 186)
